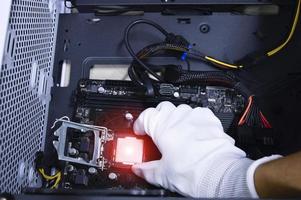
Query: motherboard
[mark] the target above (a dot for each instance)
(96, 140)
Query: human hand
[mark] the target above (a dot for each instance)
(198, 158)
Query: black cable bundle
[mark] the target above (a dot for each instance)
(207, 78)
(175, 45)
(178, 46)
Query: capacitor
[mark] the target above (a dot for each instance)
(113, 176)
(176, 94)
(129, 116)
(92, 170)
(101, 90)
(67, 185)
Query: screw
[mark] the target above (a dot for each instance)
(129, 116)
(204, 28)
(176, 94)
(92, 170)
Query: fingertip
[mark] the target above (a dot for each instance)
(184, 107)
(138, 128)
(136, 170)
(143, 122)
(150, 171)
(203, 111)
(165, 105)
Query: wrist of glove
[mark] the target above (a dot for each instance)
(198, 158)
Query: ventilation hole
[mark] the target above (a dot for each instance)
(8, 42)
(12, 48)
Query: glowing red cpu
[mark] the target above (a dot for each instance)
(128, 151)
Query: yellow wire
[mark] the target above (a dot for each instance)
(223, 63)
(47, 177)
(57, 181)
(57, 176)
(274, 51)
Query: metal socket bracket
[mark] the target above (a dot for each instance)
(101, 136)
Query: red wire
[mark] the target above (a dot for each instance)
(243, 118)
(265, 125)
(265, 121)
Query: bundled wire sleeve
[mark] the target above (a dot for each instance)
(211, 77)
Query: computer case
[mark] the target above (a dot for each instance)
(40, 35)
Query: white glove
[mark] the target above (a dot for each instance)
(198, 158)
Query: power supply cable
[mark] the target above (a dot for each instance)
(292, 31)
(252, 116)
(222, 63)
(130, 49)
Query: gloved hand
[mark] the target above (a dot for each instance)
(198, 158)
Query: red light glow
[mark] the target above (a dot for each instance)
(129, 150)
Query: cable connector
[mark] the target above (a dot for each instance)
(252, 116)
(177, 40)
(258, 142)
(255, 135)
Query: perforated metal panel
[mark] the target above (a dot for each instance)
(24, 90)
